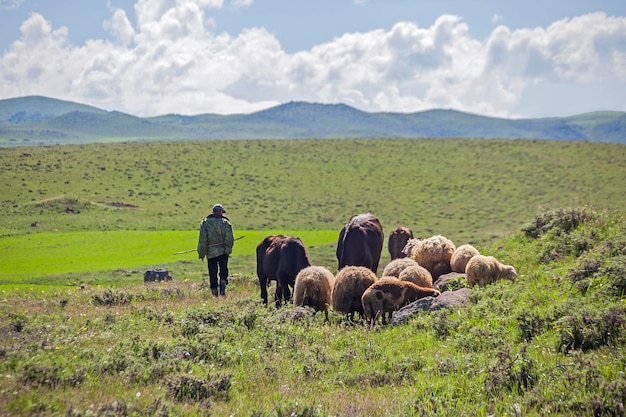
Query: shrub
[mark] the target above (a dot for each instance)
(515, 374)
(588, 330)
(292, 409)
(614, 270)
(530, 324)
(186, 387)
(111, 298)
(560, 221)
(51, 376)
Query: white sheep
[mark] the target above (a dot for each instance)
(410, 245)
(418, 275)
(461, 256)
(395, 267)
(434, 254)
(313, 288)
(483, 270)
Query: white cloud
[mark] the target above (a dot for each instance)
(120, 27)
(10, 4)
(173, 62)
(242, 3)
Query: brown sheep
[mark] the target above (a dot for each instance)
(461, 256)
(395, 267)
(397, 241)
(418, 275)
(313, 288)
(350, 284)
(483, 270)
(391, 277)
(388, 296)
(434, 254)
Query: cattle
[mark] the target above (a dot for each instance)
(360, 242)
(398, 239)
(279, 258)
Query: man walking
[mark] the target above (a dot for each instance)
(216, 243)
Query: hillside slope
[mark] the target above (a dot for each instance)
(43, 121)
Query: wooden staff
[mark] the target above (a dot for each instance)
(210, 246)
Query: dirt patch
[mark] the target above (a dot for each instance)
(121, 205)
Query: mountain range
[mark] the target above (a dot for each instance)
(36, 120)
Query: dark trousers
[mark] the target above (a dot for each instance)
(221, 263)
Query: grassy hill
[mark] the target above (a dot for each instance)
(469, 189)
(43, 121)
(552, 342)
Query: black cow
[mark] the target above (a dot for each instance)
(360, 242)
(279, 258)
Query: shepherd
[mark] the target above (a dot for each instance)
(216, 243)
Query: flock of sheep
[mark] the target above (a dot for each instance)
(411, 275)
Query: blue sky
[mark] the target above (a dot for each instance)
(150, 57)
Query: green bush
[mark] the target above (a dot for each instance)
(589, 330)
(187, 387)
(559, 221)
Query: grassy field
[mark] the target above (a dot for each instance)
(66, 256)
(469, 190)
(553, 342)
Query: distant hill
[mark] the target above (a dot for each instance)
(39, 120)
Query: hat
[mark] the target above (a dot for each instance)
(218, 207)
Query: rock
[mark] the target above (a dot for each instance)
(447, 299)
(402, 315)
(156, 275)
(444, 283)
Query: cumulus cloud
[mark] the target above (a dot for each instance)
(120, 27)
(172, 61)
(10, 4)
(242, 3)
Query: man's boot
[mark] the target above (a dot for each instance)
(223, 284)
(214, 291)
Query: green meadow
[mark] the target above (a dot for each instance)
(82, 335)
(28, 258)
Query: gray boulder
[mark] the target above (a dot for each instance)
(156, 275)
(446, 299)
(450, 282)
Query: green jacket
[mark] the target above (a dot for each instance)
(216, 237)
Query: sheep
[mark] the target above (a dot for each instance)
(350, 284)
(391, 277)
(395, 267)
(418, 275)
(397, 241)
(483, 270)
(434, 254)
(410, 245)
(313, 288)
(461, 256)
(387, 296)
